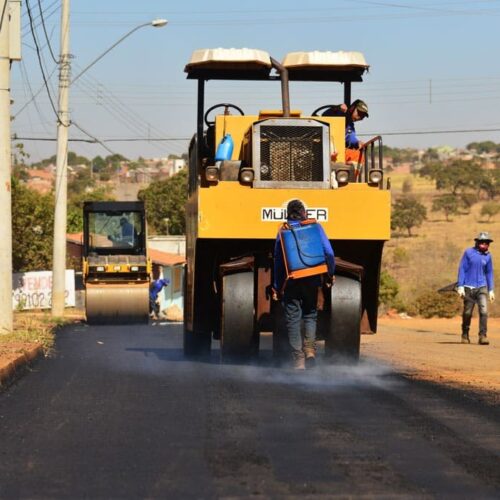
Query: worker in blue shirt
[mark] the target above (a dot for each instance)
(355, 112)
(299, 296)
(475, 285)
(155, 288)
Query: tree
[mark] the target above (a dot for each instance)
(448, 204)
(483, 147)
(166, 199)
(490, 209)
(98, 163)
(408, 213)
(75, 206)
(32, 227)
(456, 176)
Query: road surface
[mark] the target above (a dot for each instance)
(118, 412)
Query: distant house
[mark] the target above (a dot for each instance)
(40, 180)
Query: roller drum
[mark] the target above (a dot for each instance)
(117, 304)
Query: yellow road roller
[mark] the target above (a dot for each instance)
(116, 269)
(244, 169)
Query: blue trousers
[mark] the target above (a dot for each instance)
(300, 302)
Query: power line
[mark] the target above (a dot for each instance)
(120, 110)
(429, 132)
(46, 35)
(6, 2)
(40, 61)
(33, 96)
(94, 140)
(168, 139)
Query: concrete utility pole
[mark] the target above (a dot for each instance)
(6, 316)
(61, 187)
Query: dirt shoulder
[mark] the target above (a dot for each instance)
(430, 349)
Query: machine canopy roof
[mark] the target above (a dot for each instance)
(253, 64)
(229, 64)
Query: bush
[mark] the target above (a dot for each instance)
(388, 291)
(407, 185)
(490, 209)
(400, 256)
(434, 304)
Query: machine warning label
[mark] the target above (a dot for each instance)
(278, 214)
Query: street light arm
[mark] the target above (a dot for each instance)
(155, 23)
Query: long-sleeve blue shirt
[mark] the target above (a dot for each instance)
(475, 269)
(156, 287)
(279, 263)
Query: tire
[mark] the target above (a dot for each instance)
(343, 336)
(238, 336)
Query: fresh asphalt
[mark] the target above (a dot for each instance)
(118, 412)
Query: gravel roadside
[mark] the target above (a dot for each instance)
(430, 349)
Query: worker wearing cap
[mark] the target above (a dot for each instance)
(354, 113)
(155, 288)
(475, 285)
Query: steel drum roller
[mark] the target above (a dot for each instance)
(117, 304)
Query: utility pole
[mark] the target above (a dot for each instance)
(10, 50)
(6, 316)
(61, 188)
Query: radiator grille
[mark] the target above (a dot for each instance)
(291, 153)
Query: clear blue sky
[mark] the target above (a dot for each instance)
(433, 67)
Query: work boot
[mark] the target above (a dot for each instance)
(310, 354)
(299, 361)
(310, 350)
(465, 339)
(483, 340)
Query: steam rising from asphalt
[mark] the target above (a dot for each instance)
(157, 358)
(324, 376)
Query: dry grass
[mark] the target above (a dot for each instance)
(429, 260)
(33, 327)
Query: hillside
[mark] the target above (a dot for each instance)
(429, 259)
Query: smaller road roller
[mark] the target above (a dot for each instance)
(116, 268)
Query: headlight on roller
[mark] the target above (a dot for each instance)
(100, 269)
(375, 176)
(212, 174)
(342, 176)
(246, 175)
(134, 268)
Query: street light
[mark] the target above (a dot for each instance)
(156, 23)
(61, 190)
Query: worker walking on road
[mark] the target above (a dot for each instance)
(300, 295)
(475, 285)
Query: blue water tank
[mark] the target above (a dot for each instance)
(302, 247)
(225, 148)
